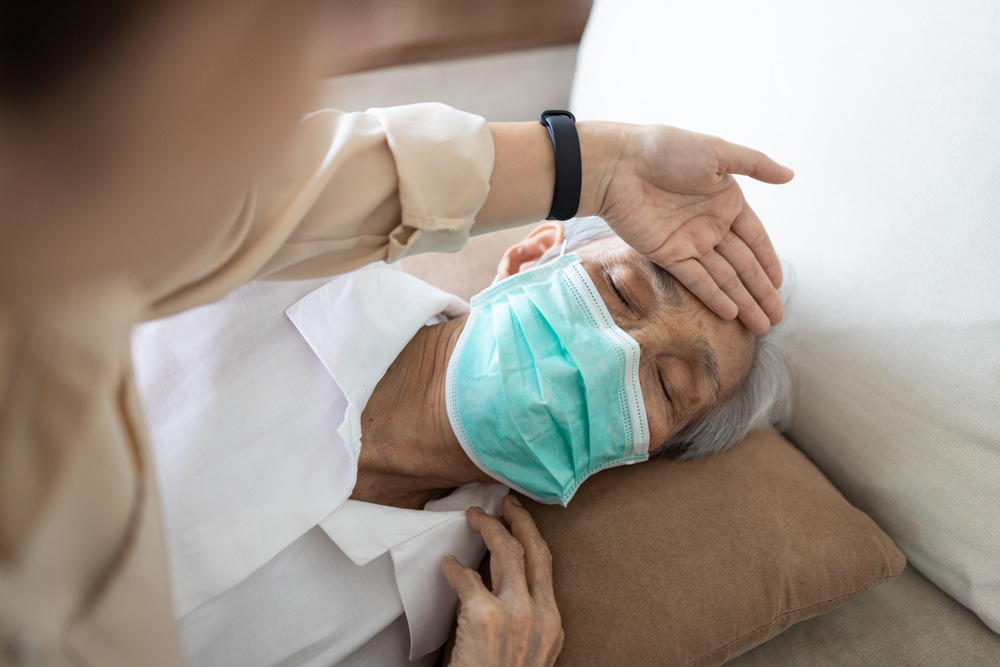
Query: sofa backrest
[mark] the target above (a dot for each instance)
(890, 114)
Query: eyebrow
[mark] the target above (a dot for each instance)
(708, 361)
(667, 287)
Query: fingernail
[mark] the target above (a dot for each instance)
(476, 508)
(514, 500)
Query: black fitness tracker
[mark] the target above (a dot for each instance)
(569, 165)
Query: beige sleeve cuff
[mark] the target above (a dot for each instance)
(444, 160)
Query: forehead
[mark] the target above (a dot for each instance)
(677, 312)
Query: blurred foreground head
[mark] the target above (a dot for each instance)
(130, 128)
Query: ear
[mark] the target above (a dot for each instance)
(542, 238)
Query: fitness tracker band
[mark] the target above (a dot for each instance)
(569, 166)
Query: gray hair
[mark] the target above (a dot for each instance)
(764, 399)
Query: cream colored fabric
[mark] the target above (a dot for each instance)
(888, 113)
(331, 203)
(906, 621)
(83, 576)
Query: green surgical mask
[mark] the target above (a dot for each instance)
(543, 386)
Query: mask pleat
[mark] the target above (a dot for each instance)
(540, 397)
(567, 387)
(525, 389)
(559, 386)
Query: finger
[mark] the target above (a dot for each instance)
(538, 569)
(749, 228)
(697, 280)
(506, 553)
(738, 159)
(537, 557)
(555, 648)
(466, 582)
(728, 280)
(749, 270)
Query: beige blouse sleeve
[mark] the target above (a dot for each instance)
(352, 188)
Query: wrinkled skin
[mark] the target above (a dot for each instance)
(517, 622)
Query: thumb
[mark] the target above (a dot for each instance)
(736, 159)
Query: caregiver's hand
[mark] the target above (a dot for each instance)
(517, 623)
(670, 194)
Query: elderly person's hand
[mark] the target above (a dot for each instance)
(670, 194)
(517, 623)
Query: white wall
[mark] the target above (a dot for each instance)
(504, 87)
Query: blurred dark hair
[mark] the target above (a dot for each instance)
(43, 41)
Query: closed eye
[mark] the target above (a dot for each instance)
(663, 385)
(611, 283)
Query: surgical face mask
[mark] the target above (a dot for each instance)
(543, 387)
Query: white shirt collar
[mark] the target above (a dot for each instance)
(358, 324)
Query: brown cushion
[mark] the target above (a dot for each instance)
(401, 31)
(667, 563)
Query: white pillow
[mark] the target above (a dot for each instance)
(890, 114)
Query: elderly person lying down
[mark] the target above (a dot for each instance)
(317, 466)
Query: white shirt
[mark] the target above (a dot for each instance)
(255, 424)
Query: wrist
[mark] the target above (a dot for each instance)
(523, 177)
(601, 149)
